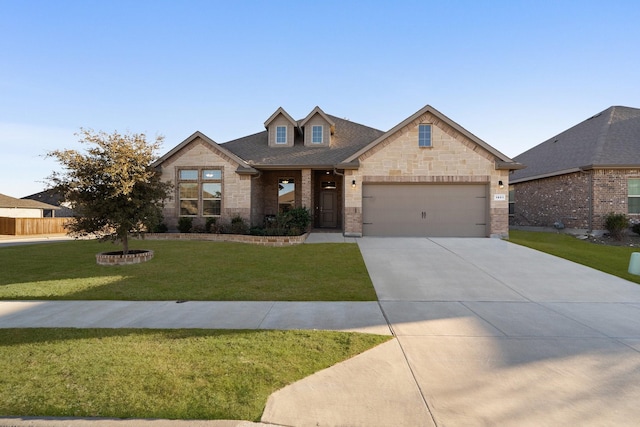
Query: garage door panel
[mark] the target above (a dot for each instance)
(429, 210)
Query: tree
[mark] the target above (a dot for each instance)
(112, 188)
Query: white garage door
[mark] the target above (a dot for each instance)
(425, 210)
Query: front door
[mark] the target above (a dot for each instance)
(328, 209)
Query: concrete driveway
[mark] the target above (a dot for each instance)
(488, 333)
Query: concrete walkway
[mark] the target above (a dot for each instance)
(488, 333)
(363, 317)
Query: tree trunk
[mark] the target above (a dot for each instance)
(125, 243)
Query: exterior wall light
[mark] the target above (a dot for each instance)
(500, 184)
(353, 184)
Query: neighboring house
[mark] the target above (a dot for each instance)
(427, 176)
(52, 197)
(11, 207)
(576, 178)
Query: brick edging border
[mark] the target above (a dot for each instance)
(237, 238)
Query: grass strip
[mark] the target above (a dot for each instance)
(184, 270)
(610, 259)
(170, 374)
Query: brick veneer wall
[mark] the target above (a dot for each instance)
(568, 198)
(610, 193)
(543, 202)
(453, 158)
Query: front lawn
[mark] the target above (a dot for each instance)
(186, 270)
(173, 374)
(610, 259)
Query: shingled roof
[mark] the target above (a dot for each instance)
(608, 139)
(349, 137)
(13, 203)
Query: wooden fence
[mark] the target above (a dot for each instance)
(31, 226)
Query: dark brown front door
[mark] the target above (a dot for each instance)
(328, 209)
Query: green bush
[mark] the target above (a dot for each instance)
(161, 228)
(210, 225)
(294, 222)
(300, 219)
(239, 225)
(636, 228)
(616, 224)
(185, 224)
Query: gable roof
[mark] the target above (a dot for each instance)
(322, 114)
(611, 138)
(13, 203)
(286, 115)
(243, 167)
(348, 138)
(502, 161)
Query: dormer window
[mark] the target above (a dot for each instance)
(317, 132)
(281, 135)
(281, 129)
(317, 128)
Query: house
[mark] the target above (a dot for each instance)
(10, 207)
(427, 176)
(52, 197)
(579, 176)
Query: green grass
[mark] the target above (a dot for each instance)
(172, 374)
(183, 270)
(610, 259)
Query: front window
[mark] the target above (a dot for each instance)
(316, 135)
(633, 187)
(200, 192)
(424, 136)
(286, 194)
(281, 135)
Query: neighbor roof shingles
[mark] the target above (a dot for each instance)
(610, 138)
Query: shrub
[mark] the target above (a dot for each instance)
(294, 222)
(300, 219)
(161, 228)
(636, 228)
(616, 224)
(185, 224)
(239, 225)
(210, 225)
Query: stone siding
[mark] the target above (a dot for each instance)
(236, 189)
(452, 158)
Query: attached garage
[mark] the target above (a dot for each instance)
(425, 210)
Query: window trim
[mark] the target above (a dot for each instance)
(285, 135)
(199, 181)
(632, 196)
(421, 142)
(313, 128)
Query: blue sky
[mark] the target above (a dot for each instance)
(514, 73)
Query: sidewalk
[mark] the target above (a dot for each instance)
(365, 317)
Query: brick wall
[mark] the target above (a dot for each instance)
(610, 193)
(567, 198)
(543, 202)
